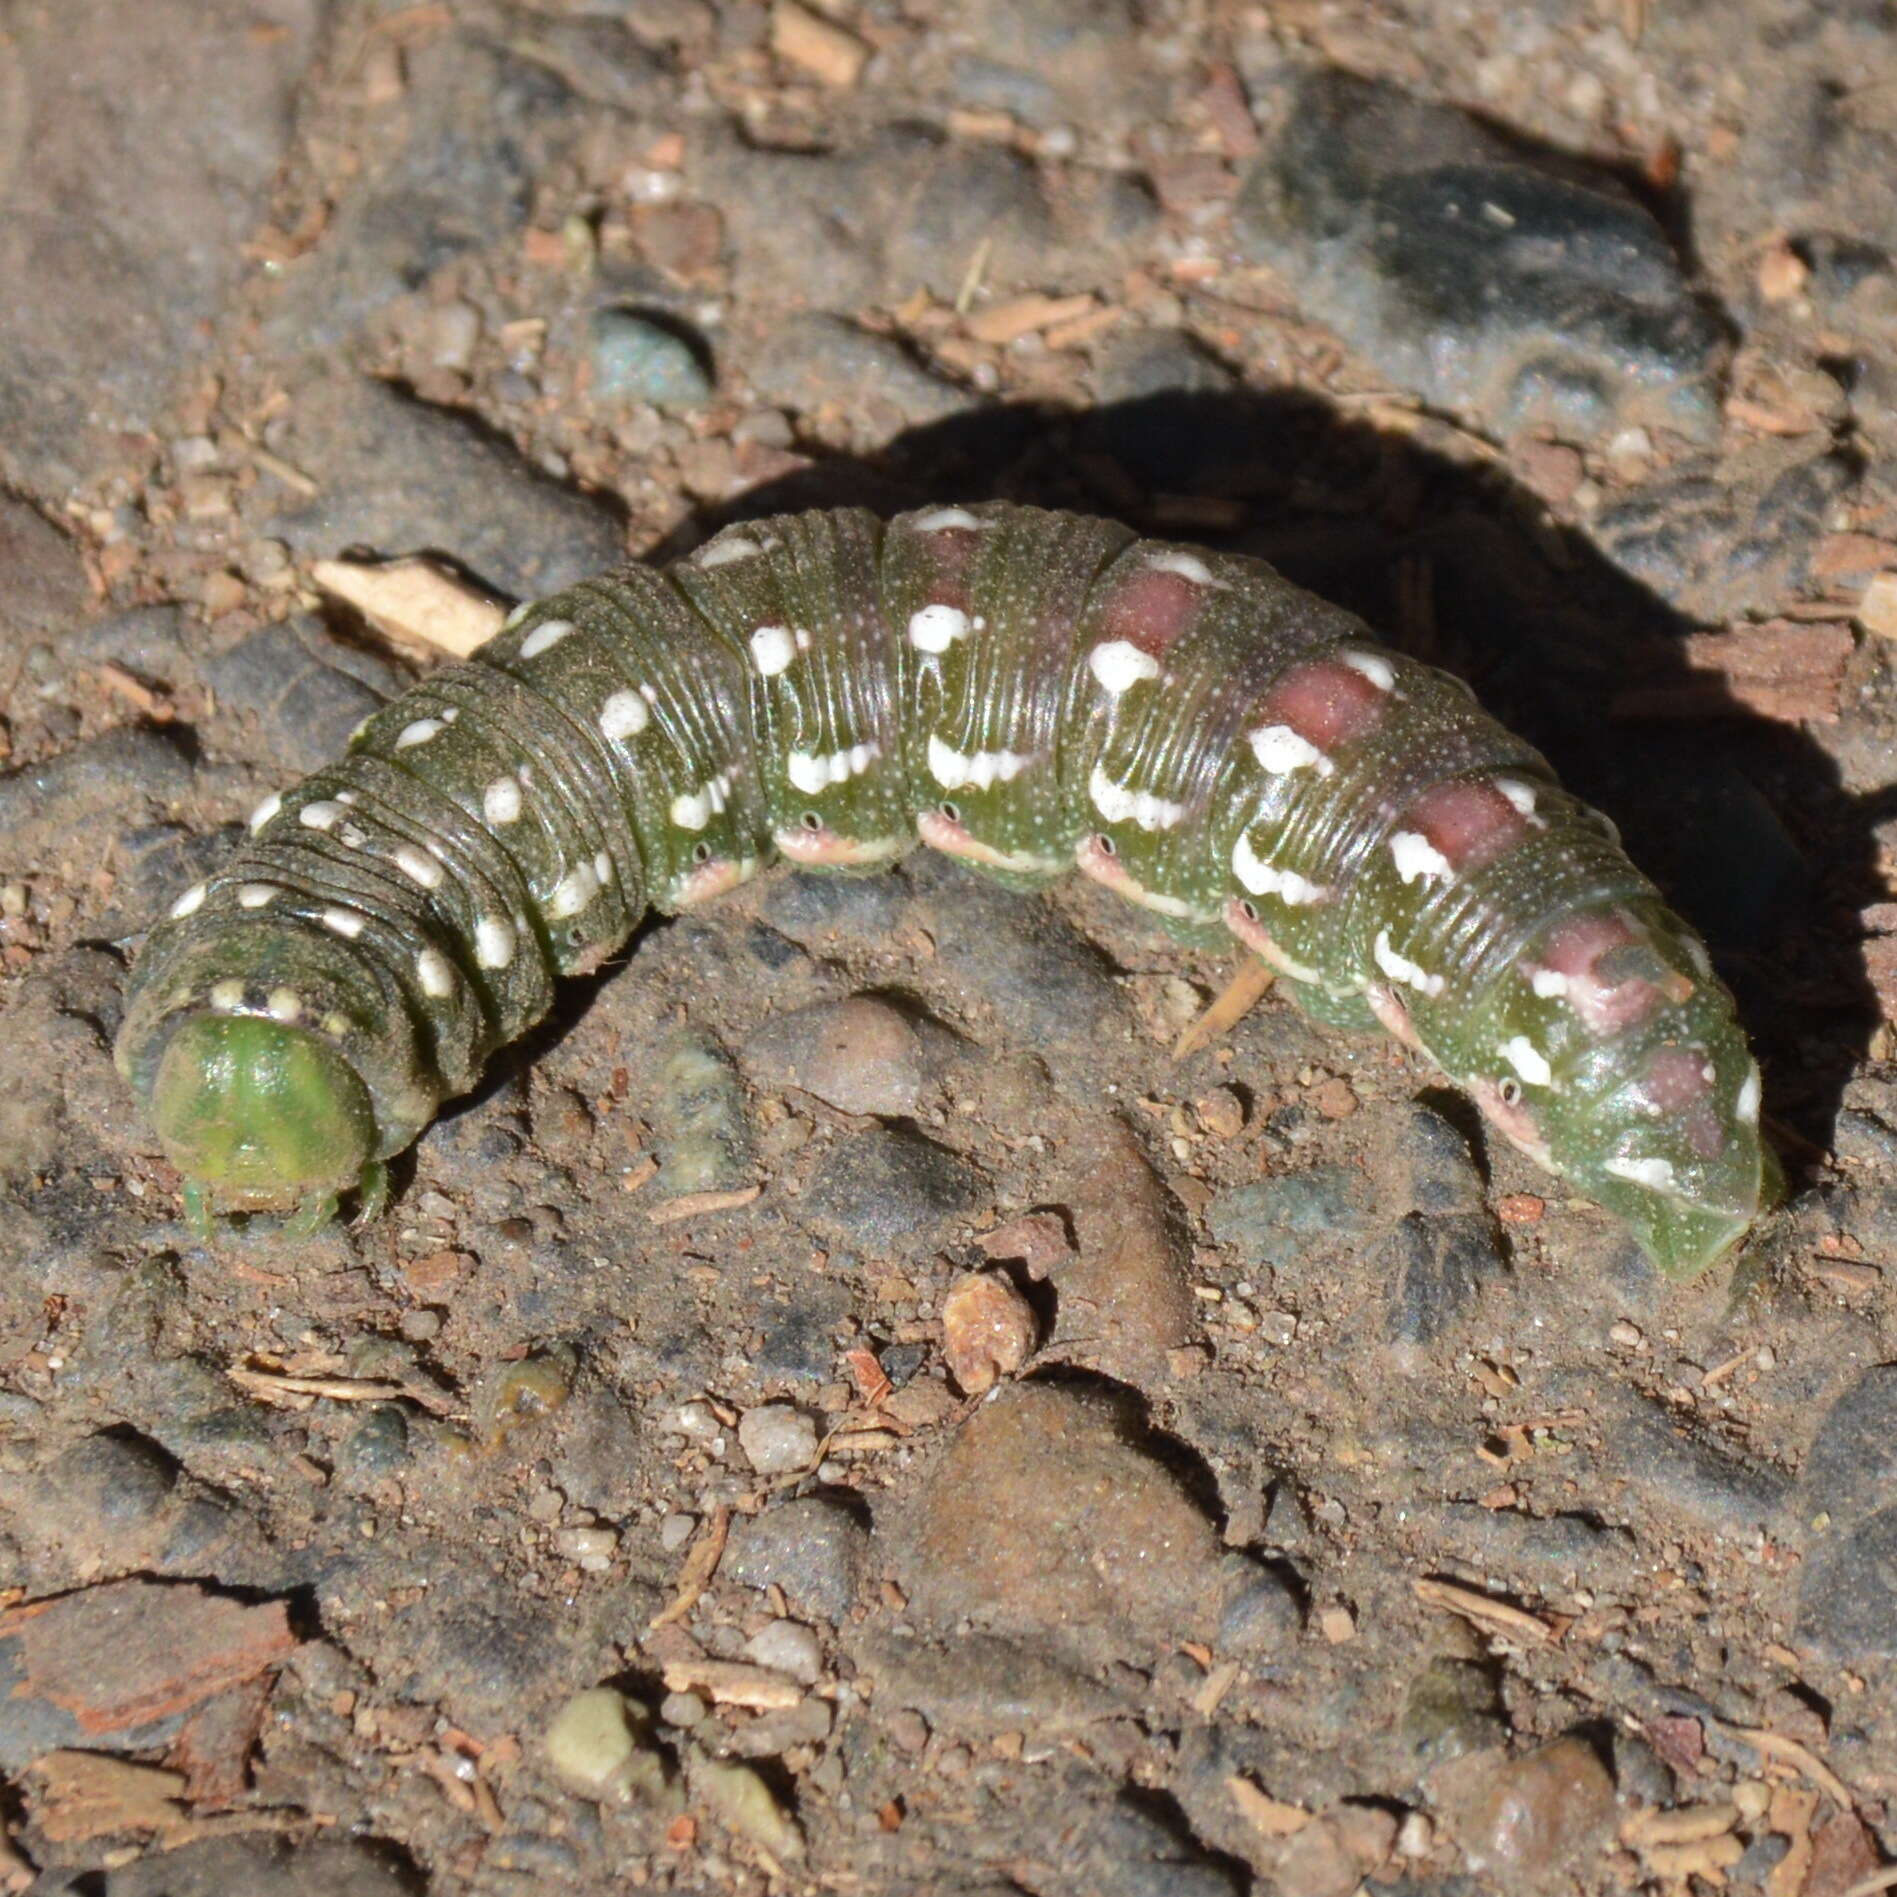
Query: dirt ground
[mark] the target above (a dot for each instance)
(628, 1509)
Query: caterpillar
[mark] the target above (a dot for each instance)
(1029, 691)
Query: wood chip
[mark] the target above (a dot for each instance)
(693, 1205)
(1690, 1824)
(1783, 669)
(1229, 1007)
(1269, 1817)
(815, 45)
(1003, 323)
(701, 1563)
(1498, 1617)
(414, 600)
(732, 1683)
(1801, 1758)
(1877, 608)
(1217, 1683)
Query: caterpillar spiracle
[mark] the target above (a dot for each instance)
(1026, 690)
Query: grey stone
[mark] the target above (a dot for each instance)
(1051, 989)
(1261, 1616)
(814, 1548)
(859, 1054)
(796, 1337)
(400, 477)
(375, 1449)
(290, 678)
(1847, 1598)
(148, 640)
(1280, 1223)
(1489, 283)
(978, 1683)
(890, 1190)
(1852, 1467)
(1555, 1548)
(1659, 1462)
(270, 1867)
(1435, 1268)
(45, 577)
(812, 910)
(814, 361)
(114, 772)
(134, 167)
(1127, 1852)
(1721, 538)
(834, 231)
(638, 360)
(450, 173)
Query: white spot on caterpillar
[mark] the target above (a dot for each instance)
(1373, 666)
(545, 637)
(1400, 968)
(812, 772)
(939, 518)
(1120, 803)
(190, 902)
(692, 810)
(418, 866)
(228, 996)
(285, 1005)
(1548, 983)
(1417, 857)
(1655, 1174)
(726, 549)
(324, 814)
(493, 942)
(772, 649)
(1745, 1105)
(572, 892)
(934, 628)
(264, 812)
(418, 732)
(519, 613)
(1261, 879)
(500, 801)
(1119, 665)
(603, 868)
(624, 715)
(347, 923)
(337, 1025)
(1279, 749)
(1187, 565)
(1527, 1060)
(257, 895)
(1521, 795)
(957, 770)
(434, 974)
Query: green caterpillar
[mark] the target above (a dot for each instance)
(1029, 691)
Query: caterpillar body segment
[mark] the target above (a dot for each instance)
(1028, 691)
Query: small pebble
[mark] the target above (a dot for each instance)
(988, 1330)
(641, 361)
(596, 1746)
(778, 1438)
(676, 1530)
(787, 1646)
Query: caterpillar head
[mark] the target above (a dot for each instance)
(256, 1114)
